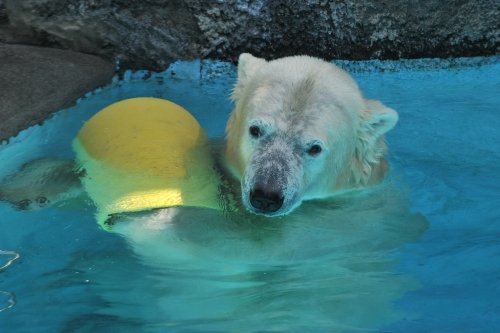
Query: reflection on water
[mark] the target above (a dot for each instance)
(328, 267)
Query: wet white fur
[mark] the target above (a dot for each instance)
(299, 100)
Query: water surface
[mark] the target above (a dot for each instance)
(418, 254)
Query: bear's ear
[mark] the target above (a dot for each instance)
(378, 119)
(247, 66)
(381, 119)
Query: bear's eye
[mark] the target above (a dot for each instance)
(314, 150)
(255, 131)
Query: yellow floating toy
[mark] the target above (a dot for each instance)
(146, 153)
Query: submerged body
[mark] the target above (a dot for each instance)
(42, 183)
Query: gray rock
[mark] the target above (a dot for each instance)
(150, 34)
(35, 82)
(137, 34)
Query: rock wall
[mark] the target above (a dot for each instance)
(151, 33)
(37, 81)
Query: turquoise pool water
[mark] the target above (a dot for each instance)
(419, 254)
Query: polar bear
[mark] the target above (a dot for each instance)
(302, 130)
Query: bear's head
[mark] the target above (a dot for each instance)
(302, 130)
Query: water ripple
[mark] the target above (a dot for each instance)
(11, 300)
(11, 297)
(9, 262)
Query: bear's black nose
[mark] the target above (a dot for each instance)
(266, 201)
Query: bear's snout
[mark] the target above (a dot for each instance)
(271, 184)
(266, 200)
